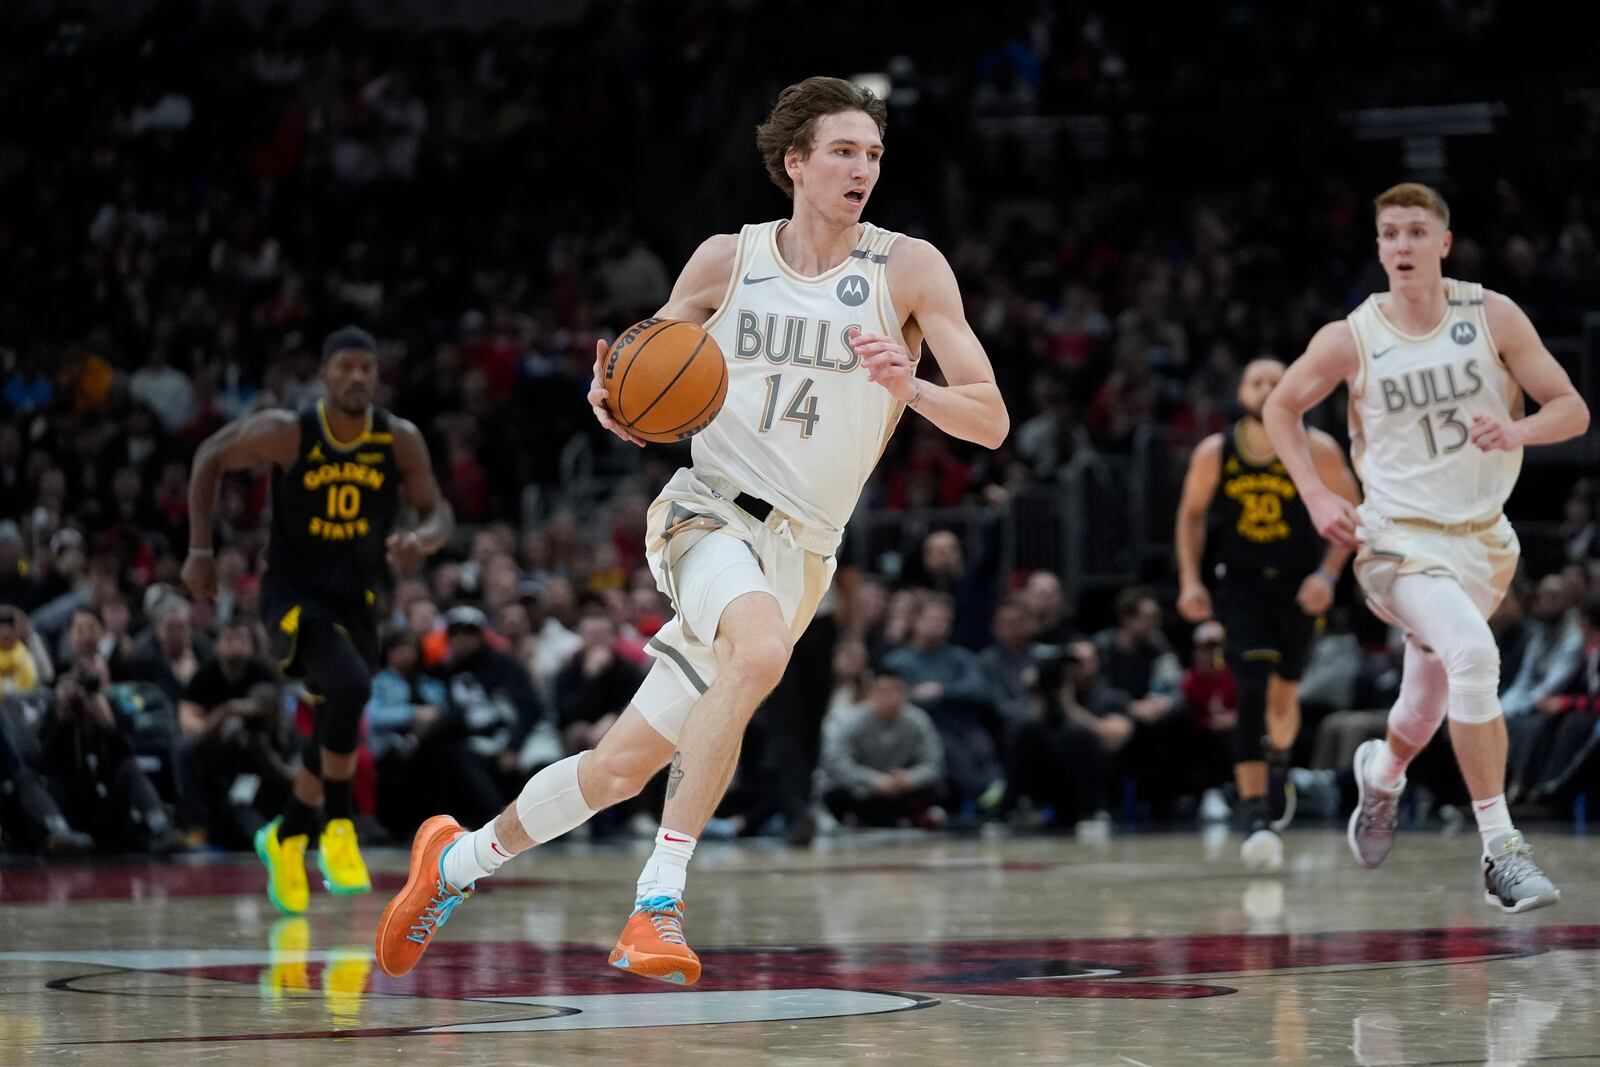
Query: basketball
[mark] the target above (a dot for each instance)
(665, 380)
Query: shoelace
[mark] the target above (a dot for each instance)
(1516, 866)
(1382, 809)
(436, 914)
(666, 915)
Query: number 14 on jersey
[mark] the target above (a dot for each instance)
(800, 410)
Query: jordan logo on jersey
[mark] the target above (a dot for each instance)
(1430, 385)
(800, 342)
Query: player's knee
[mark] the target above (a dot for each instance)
(1474, 665)
(350, 691)
(609, 778)
(759, 660)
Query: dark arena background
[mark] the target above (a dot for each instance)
(1137, 201)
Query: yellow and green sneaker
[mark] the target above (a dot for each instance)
(339, 858)
(286, 869)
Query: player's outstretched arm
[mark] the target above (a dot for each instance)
(696, 295)
(1562, 413)
(1189, 536)
(1329, 359)
(969, 406)
(271, 436)
(435, 519)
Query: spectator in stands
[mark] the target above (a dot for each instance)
(1211, 699)
(1136, 658)
(595, 686)
(236, 770)
(93, 774)
(406, 706)
(1009, 666)
(882, 763)
(852, 679)
(1061, 756)
(18, 586)
(493, 707)
(169, 653)
(1553, 652)
(948, 682)
(1046, 602)
(18, 672)
(1564, 721)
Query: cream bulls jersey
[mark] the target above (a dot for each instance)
(1411, 408)
(802, 427)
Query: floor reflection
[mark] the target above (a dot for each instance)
(342, 976)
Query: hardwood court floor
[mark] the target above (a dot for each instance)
(1149, 949)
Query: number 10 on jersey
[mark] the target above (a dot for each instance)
(801, 408)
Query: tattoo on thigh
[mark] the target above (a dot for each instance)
(675, 774)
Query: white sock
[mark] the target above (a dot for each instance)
(1387, 771)
(549, 805)
(1494, 818)
(478, 855)
(667, 870)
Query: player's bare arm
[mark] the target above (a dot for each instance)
(1316, 592)
(698, 292)
(1329, 359)
(1199, 488)
(969, 406)
(435, 519)
(271, 436)
(1562, 413)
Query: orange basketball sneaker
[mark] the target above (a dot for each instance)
(652, 943)
(425, 902)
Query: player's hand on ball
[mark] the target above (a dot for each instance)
(1194, 603)
(598, 396)
(405, 551)
(888, 363)
(1316, 595)
(200, 576)
(1490, 434)
(1334, 517)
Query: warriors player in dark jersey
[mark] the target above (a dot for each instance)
(339, 467)
(1275, 576)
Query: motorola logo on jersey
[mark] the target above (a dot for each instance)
(1463, 333)
(853, 290)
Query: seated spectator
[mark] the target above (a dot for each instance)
(19, 586)
(948, 682)
(882, 763)
(1061, 756)
(168, 654)
(236, 774)
(1554, 653)
(405, 707)
(18, 672)
(1567, 720)
(595, 686)
(1136, 658)
(1046, 602)
(1211, 699)
(1008, 664)
(93, 774)
(852, 681)
(493, 707)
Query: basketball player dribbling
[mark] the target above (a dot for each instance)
(1275, 578)
(1437, 369)
(821, 318)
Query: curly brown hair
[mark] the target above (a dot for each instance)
(793, 121)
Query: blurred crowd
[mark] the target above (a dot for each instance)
(190, 199)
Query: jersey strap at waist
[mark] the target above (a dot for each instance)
(1454, 529)
(817, 539)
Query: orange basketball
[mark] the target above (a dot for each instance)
(665, 380)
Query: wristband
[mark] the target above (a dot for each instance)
(916, 383)
(201, 552)
(1327, 576)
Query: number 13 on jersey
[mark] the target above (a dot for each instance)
(801, 408)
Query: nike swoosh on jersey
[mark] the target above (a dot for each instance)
(1383, 352)
(752, 281)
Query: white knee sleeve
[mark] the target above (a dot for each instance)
(551, 803)
(1441, 615)
(1424, 691)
